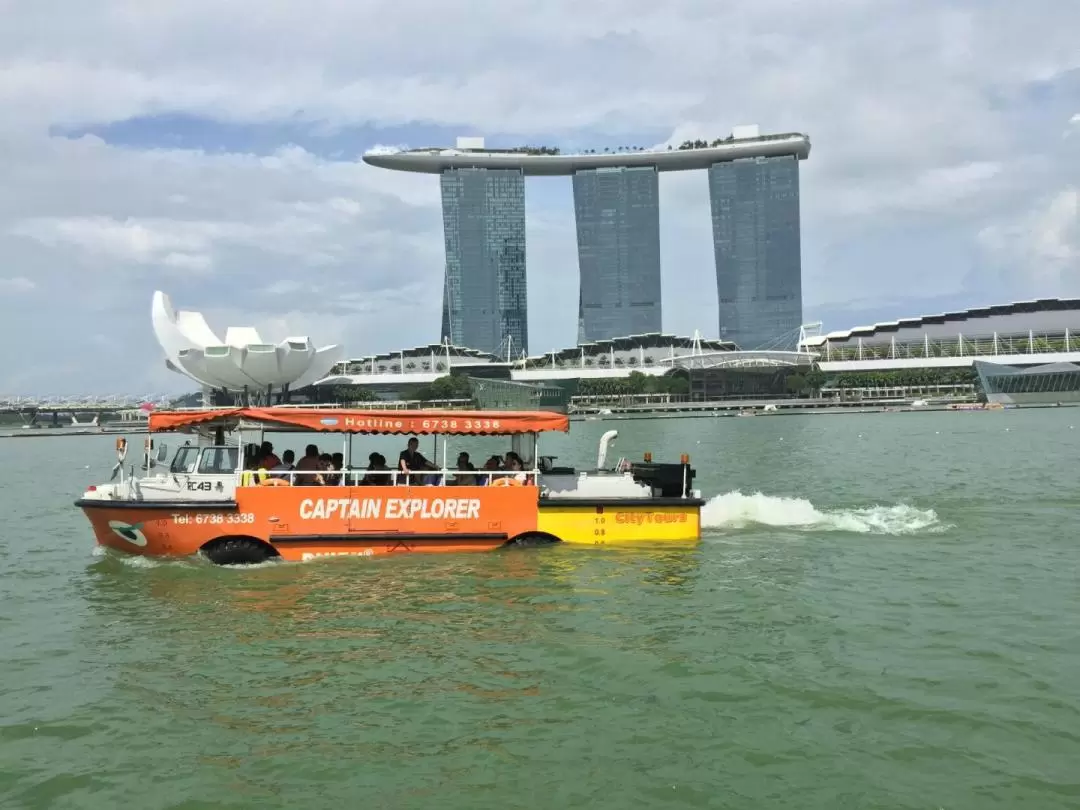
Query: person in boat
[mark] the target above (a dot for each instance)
(466, 475)
(378, 473)
(337, 465)
(411, 460)
(491, 467)
(254, 472)
(286, 466)
(311, 467)
(267, 457)
(516, 467)
(326, 464)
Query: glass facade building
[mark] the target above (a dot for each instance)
(618, 236)
(508, 395)
(484, 295)
(757, 243)
(1055, 383)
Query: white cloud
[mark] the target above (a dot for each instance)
(1044, 244)
(16, 285)
(925, 143)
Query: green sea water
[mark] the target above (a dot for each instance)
(882, 614)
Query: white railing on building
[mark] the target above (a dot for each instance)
(956, 346)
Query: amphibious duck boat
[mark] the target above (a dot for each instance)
(208, 503)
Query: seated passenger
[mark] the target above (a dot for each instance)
(378, 473)
(254, 473)
(515, 465)
(286, 466)
(492, 465)
(311, 467)
(411, 460)
(466, 476)
(267, 457)
(337, 463)
(326, 464)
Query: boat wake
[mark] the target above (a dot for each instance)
(735, 510)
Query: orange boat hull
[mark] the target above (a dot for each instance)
(303, 523)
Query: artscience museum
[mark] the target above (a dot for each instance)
(243, 363)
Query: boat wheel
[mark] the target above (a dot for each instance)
(532, 540)
(238, 551)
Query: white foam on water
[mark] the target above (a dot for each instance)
(734, 510)
(135, 560)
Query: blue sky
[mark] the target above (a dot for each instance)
(214, 153)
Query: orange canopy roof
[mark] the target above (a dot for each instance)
(325, 420)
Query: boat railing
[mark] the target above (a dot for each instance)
(445, 476)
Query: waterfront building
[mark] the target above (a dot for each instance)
(1036, 332)
(1052, 383)
(618, 238)
(756, 240)
(712, 367)
(242, 367)
(485, 303)
(616, 205)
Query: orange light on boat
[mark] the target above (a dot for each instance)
(684, 458)
(648, 458)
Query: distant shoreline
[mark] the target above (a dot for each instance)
(727, 412)
(62, 432)
(703, 411)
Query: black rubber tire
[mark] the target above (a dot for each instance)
(238, 551)
(532, 540)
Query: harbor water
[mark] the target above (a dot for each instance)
(882, 614)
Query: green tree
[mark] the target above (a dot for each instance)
(450, 386)
(795, 383)
(346, 394)
(677, 385)
(815, 380)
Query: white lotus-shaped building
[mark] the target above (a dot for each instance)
(241, 362)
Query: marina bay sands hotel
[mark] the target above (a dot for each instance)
(754, 191)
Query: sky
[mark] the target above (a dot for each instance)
(212, 150)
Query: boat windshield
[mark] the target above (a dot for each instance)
(185, 459)
(219, 460)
